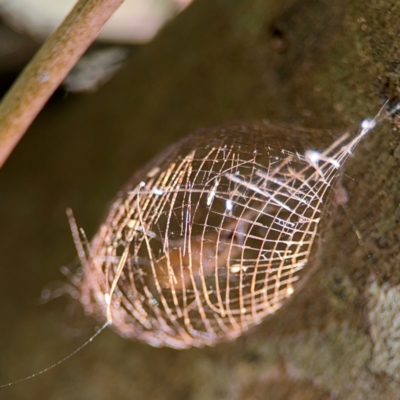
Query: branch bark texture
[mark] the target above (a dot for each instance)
(48, 69)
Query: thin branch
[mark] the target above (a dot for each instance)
(48, 68)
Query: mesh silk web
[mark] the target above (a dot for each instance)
(214, 234)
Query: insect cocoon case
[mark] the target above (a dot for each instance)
(214, 234)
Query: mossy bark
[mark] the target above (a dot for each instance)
(315, 63)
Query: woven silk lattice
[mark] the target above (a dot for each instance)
(213, 235)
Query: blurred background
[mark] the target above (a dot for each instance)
(136, 21)
(161, 70)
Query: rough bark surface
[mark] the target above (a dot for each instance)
(316, 63)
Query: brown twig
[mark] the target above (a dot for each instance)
(48, 68)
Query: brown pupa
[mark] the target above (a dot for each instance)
(214, 234)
